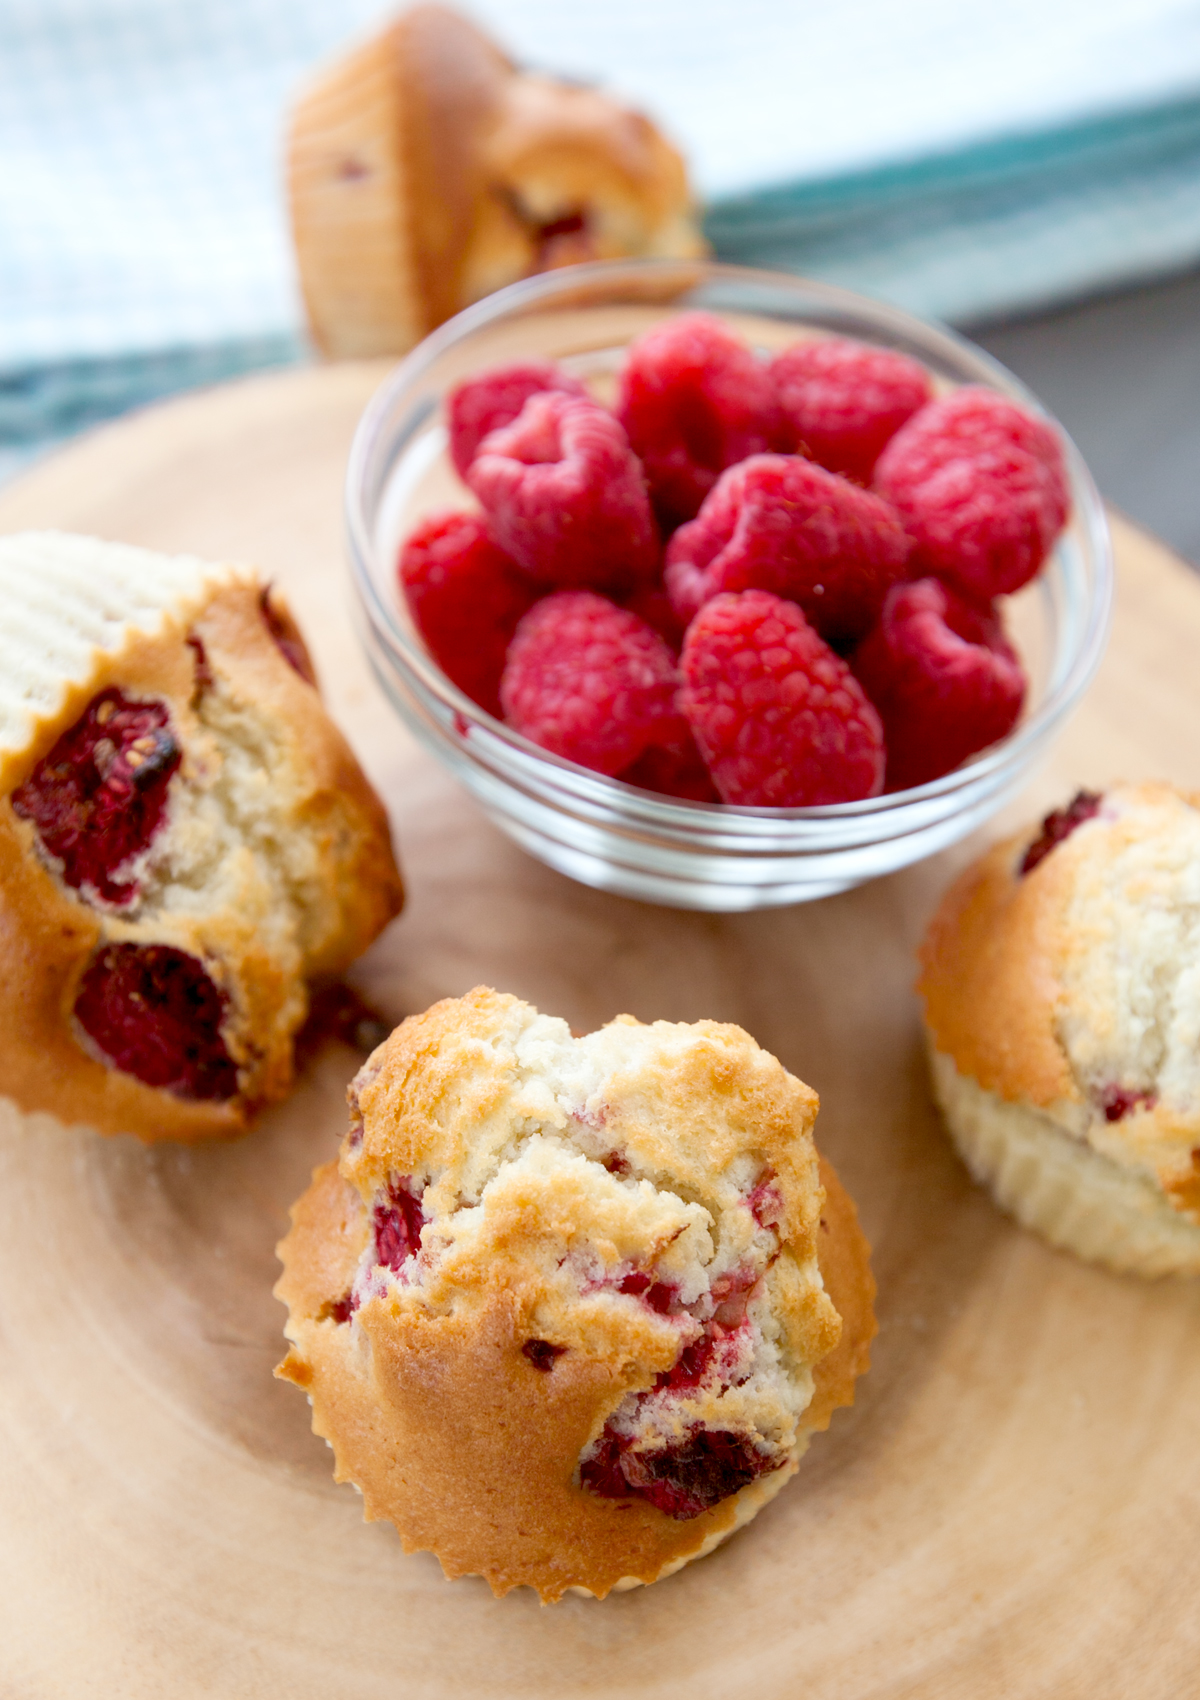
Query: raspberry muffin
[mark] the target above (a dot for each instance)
(569, 1310)
(186, 840)
(1062, 1001)
(425, 170)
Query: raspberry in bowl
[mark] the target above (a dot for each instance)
(887, 511)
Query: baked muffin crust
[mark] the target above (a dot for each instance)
(426, 170)
(1062, 975)
(269, 866)
(588, 1212)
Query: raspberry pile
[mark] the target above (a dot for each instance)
(767, 583)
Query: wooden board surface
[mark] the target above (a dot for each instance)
(1010, 1510)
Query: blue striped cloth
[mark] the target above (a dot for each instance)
(957, 157)
(1016, 223)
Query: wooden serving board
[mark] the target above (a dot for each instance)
(1012, 1508)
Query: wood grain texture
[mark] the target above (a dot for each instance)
(1010, 1509)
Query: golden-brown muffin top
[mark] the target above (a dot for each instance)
(1063, 970)
(618, 1246)
(536, 1153)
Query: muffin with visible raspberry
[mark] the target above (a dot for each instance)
(426, 170)
(186, 840)
(568, 1310)
(1062, 1002)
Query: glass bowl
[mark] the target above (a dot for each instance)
(602, 831)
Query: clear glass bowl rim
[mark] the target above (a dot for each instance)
(649, 808)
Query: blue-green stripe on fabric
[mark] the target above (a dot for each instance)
(1013, 223)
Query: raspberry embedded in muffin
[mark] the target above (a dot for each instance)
(186, 840)
(154, 1013)
(285, 634)
(99, 797)
(683, 1478)
(1058, 826)
(610, 1245)
(398, 1221)
(696, 1465)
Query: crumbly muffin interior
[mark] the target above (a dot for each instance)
(1121, 932)
(230, 840)
(1130, 967)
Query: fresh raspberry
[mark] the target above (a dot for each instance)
(1060, 824)
(978, 417)
(591, 682)
(100, 796)
(494, 399)
(466, 598)
(780, 720)
(675, 772)
(944, 678)
(566, 497)
(694, 400)
(981, 486)
(779, 523)
(650, 602)
(842, 401)
(156, 1014)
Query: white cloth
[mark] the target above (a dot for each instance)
(141, 205)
